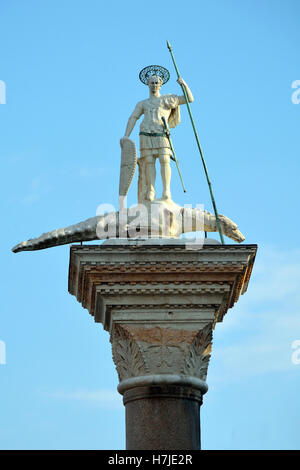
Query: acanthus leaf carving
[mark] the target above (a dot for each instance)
(198, 356)
(127, 356)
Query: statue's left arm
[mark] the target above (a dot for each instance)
(188, 91)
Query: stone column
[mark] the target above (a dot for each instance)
(160, 302)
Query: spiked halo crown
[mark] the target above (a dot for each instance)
(151, 70)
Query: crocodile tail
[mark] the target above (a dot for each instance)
(84, 231)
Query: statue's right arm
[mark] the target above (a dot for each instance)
(138, 111)
(130, 125)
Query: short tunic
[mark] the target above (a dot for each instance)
(153, 110)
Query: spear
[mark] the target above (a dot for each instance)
(199, 147)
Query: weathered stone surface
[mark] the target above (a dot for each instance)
(161, 219)
(139, 351)
(177, 407)
(160, 304)
(138, 276)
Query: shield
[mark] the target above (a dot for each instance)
(128, 165)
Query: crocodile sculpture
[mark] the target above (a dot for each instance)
(166, 223)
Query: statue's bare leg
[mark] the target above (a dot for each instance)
(142, 185)
(165, 169)
(150, 177)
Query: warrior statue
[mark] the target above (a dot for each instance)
(153, 139)
(160, 112)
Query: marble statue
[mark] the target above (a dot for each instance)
(153, 140)
(152, 217)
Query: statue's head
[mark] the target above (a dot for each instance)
(154, 83)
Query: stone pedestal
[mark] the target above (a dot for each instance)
(160, 302)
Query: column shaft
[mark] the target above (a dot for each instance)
(163, 417)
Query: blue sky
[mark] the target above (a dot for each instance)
(71, 74)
